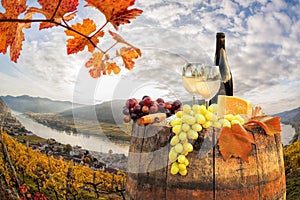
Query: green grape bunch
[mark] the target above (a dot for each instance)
(186, 127)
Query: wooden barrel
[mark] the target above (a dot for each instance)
(209, 177)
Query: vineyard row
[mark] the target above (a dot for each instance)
(55, 177)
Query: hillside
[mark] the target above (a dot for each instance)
(292, 117)
(292, 170)
(4, 111)
(2, 106)
(108, 112)
(27, 103)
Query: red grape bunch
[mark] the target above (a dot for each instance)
(135, 109)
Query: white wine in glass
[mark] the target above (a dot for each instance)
(208, 82)
(189, 79)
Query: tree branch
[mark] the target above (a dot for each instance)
(100, 28)
(110, 47)
(54, 22)
(56, 9)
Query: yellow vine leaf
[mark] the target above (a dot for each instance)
(96, 64)
(67, 10)
(111, 67)
(78, 42)
(116, 12)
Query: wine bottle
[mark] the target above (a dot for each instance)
(221, 61)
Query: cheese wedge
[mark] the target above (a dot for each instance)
(234, 105)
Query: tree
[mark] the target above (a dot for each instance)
(110, 151)
(68, 148)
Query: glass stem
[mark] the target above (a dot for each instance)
(194, 100)
(207, 103)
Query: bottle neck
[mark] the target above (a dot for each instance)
(220, 43)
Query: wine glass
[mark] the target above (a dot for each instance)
(208, 82)
(189, 78)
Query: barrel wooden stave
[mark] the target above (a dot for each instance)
(150, 155)
(262, 178)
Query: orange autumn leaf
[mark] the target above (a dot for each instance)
(78, 42)
(118, 38)
(95, 64)
(95, 72)
(116, 12)
(128, 54)
(48, 9)
(11, 33)
(271, 125)
(16, 46)
(112, 67)
(236, 142)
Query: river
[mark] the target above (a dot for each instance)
(287, 133)
(89, 142)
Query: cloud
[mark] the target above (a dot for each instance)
(262, 40)
(49, 61)
(262, 44)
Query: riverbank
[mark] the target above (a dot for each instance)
(92, 142)
(109, 160)
(90, 127)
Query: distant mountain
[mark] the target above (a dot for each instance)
(290, 117)
(109, 112)
(27, 103)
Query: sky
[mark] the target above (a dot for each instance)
(262, 45)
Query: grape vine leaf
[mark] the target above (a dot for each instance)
(50, 11)
(118, 38)
(16, 46)
(96, 64)
(235, 141)
(78, 42)
(11, 33)
(111, 67)
(116, 12)
(128, 54)
(271, 125)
